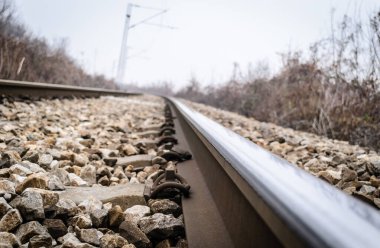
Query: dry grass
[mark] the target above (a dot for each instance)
(26, 57)
(333, 91)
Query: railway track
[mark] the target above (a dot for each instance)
(233, 193)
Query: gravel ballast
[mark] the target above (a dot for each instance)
(354, 169)
(73, 173)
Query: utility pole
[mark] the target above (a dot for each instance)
(124, 49)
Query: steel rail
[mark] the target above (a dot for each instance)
(263, 200)
(34, 89)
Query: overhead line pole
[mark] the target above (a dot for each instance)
(123, 50)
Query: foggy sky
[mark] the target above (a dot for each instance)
(211, 34)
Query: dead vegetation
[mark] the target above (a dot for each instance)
(331, 91)
(26, 57)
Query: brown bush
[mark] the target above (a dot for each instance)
(28, 58)
(334, 91)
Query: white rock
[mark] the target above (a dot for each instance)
(76, 181)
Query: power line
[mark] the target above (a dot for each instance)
(124, 49)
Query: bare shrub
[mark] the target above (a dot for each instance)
(28, 58)
(333, 91)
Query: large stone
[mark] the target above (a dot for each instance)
(374, 165)
(141, 176)
(76, 180)
(104, 171)
(66, 155)
(88, 173)
(85, 134)
(91, 236)
(55, 227)
(134, 181)
(98, 217)
(49, 198)
(134, 235)
(330, 176)
(151, 169)
(119, 173)
(9, 158)
(165, 206)
(45, 160)
(81, 221)
(129, 149)
(375, 182)
(87, 142)
(104, 181)
(125, 195)
(108, 153)
(50, 129)
(8, 240)
(54, 165)
(7, 187)
(348, 175)
(314, 165)
(62, 174)
(136, 212)
(110, 161)
(74, 169)
(112, 241)
(42, 240)
(17, 179)
(80, 159)
(4, 207)
(70, 240)
(115, 216)
(31, 156)
(55, 183)
(10, 220)
(19, 170)
(33, 181)
(161, 226)
(65, 207)
(349, 190)
(35, 168)
(30, 205)
(364, 176)
(28, 230)
(4, 173)
(366, 189)
(124, 181)
(55, 153)
(91, 204)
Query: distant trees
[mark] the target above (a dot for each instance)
(26, 57)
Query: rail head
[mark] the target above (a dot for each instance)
(318, 213)
(22, 88)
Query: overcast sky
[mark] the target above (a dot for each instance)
(211, 34)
